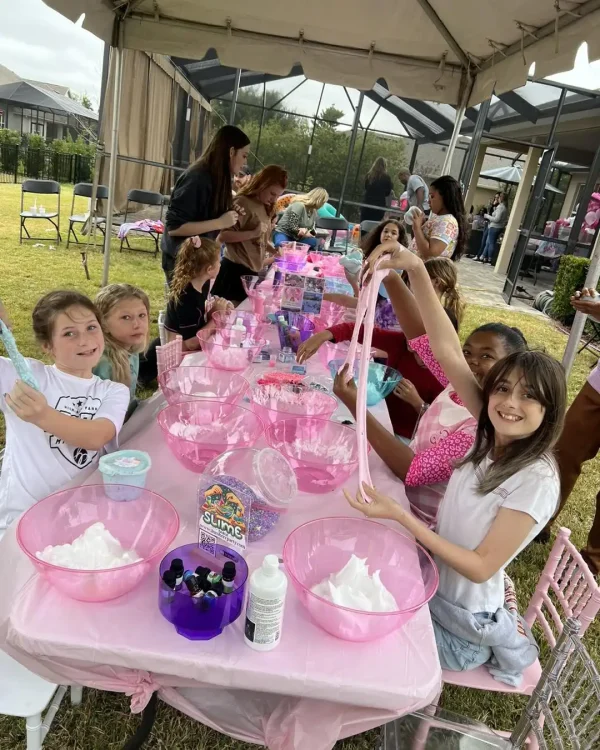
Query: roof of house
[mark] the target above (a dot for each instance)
(7, 76)
(33, 95)
(55, 87)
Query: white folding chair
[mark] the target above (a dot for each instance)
(27, 696)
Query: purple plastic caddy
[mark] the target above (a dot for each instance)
(202, 619)
(288, 337)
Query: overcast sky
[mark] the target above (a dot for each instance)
(37, 42)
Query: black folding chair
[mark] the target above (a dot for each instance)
(145, 198)
(368, 226)
(334, 224)
(594, 338)
(84, 190)
(40, 187)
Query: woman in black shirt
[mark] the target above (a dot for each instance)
(378, 187)
(201, 201)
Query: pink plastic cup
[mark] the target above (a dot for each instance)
(323, 454)
(201, 383)
(148, 524)
(315, 550)
(198, 431)
(274, 402)
(227, 349)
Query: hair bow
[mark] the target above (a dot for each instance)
(196, 241)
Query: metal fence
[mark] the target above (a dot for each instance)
(18, 163)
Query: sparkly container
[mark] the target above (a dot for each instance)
(149, 525)
(198, 431)
(295, 329)
(124, 474)
(382, 379)
(262, 478)
(251, 322)
(227, 349)
(273, 402)
(202, 619)
(199, 383)
(323, 453)
(315, 550)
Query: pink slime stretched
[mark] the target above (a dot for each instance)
(365, 314)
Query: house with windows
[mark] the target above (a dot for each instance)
(45, 109)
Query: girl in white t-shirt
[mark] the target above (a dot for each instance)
(500, 496)
(45, 446)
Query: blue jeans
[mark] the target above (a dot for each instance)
(490, 243)
(280, 237)
(458, 654)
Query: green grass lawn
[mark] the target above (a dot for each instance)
(103, 721)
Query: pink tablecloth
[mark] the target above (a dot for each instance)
(305, 695)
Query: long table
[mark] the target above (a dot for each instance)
(312, 690)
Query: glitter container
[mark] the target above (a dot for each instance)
(124, 474)
(264, 480)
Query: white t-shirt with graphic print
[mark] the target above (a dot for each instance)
(465, 517)
(35, 463)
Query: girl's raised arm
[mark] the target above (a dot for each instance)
(444, 340)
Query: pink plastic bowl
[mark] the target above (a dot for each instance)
(330, 351)
(331, 314)
(323, 454)
(147, 524)
(200, 383)
(319, 548)
(294, 252)
(223, 350)
(275, 402)
(250, 321)
(198, 431)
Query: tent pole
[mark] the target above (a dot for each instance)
(460, 113)
(413, 156)
(350, 150)
(236, 88)
(117, 52)
(591, 282)
(466, 172)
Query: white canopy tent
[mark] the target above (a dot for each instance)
(457, 53)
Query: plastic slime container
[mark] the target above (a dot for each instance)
(202, 619)
(264, 478)
(273, 402)
(147, 526)
(315, 550)
(124, 474)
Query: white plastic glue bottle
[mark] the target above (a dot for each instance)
(266, 601)
(240, 332)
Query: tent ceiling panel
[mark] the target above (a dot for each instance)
(353, 43)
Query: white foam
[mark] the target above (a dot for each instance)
(353, 587)
(95, 549)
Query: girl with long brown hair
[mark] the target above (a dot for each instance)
(247, 241)
(378, 189)
(201, 201)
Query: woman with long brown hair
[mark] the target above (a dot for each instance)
(201, 201)
(378, 188)
(247, 241)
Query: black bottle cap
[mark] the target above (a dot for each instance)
(202, 571)
(229, 571)
(170, 578)
(218, 588)
(177, 565)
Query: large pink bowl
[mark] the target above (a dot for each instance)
(319, 548)
(275, 402)
(201, 383)
(294, 252)
(329, 351)
(331, 314)
(147, 524)
(198, 431)
(223, 350)
(323, 454)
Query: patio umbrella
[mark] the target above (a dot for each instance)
(512, 175)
